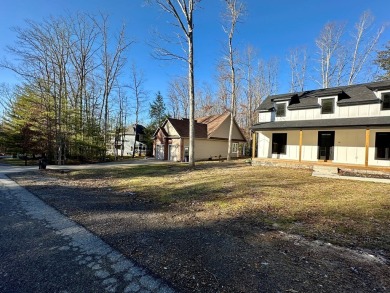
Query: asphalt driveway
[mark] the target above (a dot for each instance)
(41, 250)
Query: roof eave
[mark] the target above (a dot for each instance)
(344, 103)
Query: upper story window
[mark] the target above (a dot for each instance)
(386, 101)
(281, 110)
(327, 106)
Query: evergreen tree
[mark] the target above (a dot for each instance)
(23, 128)
(383, 60)
(157, 112)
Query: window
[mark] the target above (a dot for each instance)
(281, 110)
(235, 147)
(382, 146)
(327, 106)
(279, 142)
(386, 101)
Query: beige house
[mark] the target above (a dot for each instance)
(342, 125)
(171, 140)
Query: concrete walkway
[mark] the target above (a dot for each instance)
(41, 250)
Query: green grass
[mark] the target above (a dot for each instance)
(351, 213)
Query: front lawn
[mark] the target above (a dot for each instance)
(348, 213)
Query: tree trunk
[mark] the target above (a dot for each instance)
(191, 91)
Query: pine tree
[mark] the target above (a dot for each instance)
(157, 112)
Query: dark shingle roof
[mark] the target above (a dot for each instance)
(324, 123)
(204, 126)
(182, 128)
(347, 95)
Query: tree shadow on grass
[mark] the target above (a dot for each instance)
(227, 252)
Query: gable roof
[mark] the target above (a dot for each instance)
(182, 127)
(213, 122)
(204, 126)
(131, 129)
(359, 94)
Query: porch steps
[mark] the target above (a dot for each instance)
(325, 171)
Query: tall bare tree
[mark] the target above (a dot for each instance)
(58, 60)
(328, 43)
(182, 12)
(82, 57)
(364, 43)
(267, 79)
(249, 78)
(178, 96)
(297, 60)
(139, 96)
(206, 103)
(112, 63)
(234, 11)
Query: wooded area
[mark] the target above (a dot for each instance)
(77, 91)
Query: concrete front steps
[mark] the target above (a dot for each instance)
(333, 172)
(325, 171)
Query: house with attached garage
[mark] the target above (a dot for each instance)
(341, 125)
(171, 140)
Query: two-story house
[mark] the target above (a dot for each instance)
(129, 142)
(347, 125)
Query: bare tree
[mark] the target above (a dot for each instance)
(206, 104)
(113, 63)
(267, 79)
(328, 43)
(364, 44)
(178, 96)
(182, 12)
(234, 11)
(82, 57)
(223, 80)
(139, 94)
(297, 60)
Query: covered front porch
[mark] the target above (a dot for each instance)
(358, 147)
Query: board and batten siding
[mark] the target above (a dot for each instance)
(370, 110)
(349, 146)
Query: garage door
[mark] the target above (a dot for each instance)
(160, 152)
(172, 151)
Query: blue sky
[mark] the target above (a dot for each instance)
(272, 27)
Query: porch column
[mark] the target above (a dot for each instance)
(253, 144)
(300, 144)
(367, 146)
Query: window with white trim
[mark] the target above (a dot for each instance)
(386, 101)
(281, 110)
(235, 147)
(327, 106)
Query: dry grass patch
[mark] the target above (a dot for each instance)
(351, 213)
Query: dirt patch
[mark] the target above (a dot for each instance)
(206, 250)
(378, 175)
